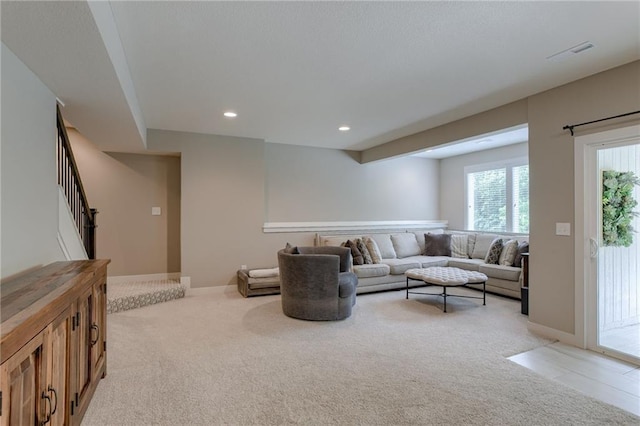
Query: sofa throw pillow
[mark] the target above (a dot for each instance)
(374, 251)
(493, 255)
(459, 246)
(472, 244)
(355, 253)
(405, 245)
(289, 249)
(385, 245)
(508, 254)
(481, 247)
(365, 251)
(523, 247)
(437, 244)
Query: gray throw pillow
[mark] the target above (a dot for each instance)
(493, 255)
(355, 253)
(437, 244)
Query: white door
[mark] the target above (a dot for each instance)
(612, 269)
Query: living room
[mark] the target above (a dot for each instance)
(231, 186)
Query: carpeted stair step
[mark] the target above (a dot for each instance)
(123, 296)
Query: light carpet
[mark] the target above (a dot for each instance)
(215, 358)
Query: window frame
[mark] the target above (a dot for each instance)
(508, 165)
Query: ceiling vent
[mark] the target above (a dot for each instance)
(572, 51)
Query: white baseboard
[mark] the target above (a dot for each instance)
(552, 333)
(147, 277)
(186, 282)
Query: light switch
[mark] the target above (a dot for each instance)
(156, 211)
(563, 229)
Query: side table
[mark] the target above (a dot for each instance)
(524, 290)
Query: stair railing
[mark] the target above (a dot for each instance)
(69, 179)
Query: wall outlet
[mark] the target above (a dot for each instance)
(243, 266)
(156, 211)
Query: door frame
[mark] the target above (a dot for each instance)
(585, 148)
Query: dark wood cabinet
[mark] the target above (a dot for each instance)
(53, 347)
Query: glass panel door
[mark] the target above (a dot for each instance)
(618, 250)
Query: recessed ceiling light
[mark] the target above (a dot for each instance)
(230, 114)
(344, 128)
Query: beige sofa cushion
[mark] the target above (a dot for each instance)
(509, 273)
(371, 270)
(335, 240)
(468, 264)
(384, 245)
(399, 266)
(482, 244)
(405, 245)
(429, 261)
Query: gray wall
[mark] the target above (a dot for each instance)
(124, 188)
(231, 186)
(314, 185)
(452, 197)
(29, 188)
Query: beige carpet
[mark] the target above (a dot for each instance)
(218, 359)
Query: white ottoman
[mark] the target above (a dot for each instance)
(444, 277)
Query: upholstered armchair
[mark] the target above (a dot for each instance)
(316, 283)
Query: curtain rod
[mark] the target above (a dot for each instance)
(571, 126)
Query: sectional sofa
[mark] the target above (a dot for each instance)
(401, 251)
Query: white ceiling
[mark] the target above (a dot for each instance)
(295, 71)
(504, 137)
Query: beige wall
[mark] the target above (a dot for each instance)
(452, 184)
(222, 204)
(551, 159)
(231, 186)
(314, 185)
(124, 188)
(29, 209)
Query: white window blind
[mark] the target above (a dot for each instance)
(521, 199)
(498, 197)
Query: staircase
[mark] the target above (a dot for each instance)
(79, 212)
(134, 293)
(77, 236)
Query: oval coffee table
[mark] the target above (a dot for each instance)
(444, 277)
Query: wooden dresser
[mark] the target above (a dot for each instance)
(54, 342)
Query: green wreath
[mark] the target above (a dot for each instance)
(617, 207)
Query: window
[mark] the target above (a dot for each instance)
(498, 197)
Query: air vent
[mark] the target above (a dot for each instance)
(566, 54)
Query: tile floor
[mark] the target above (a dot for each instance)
(612, 381)
(623, 339)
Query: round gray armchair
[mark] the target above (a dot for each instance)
(316, 283)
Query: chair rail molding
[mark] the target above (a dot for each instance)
(281, 227)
